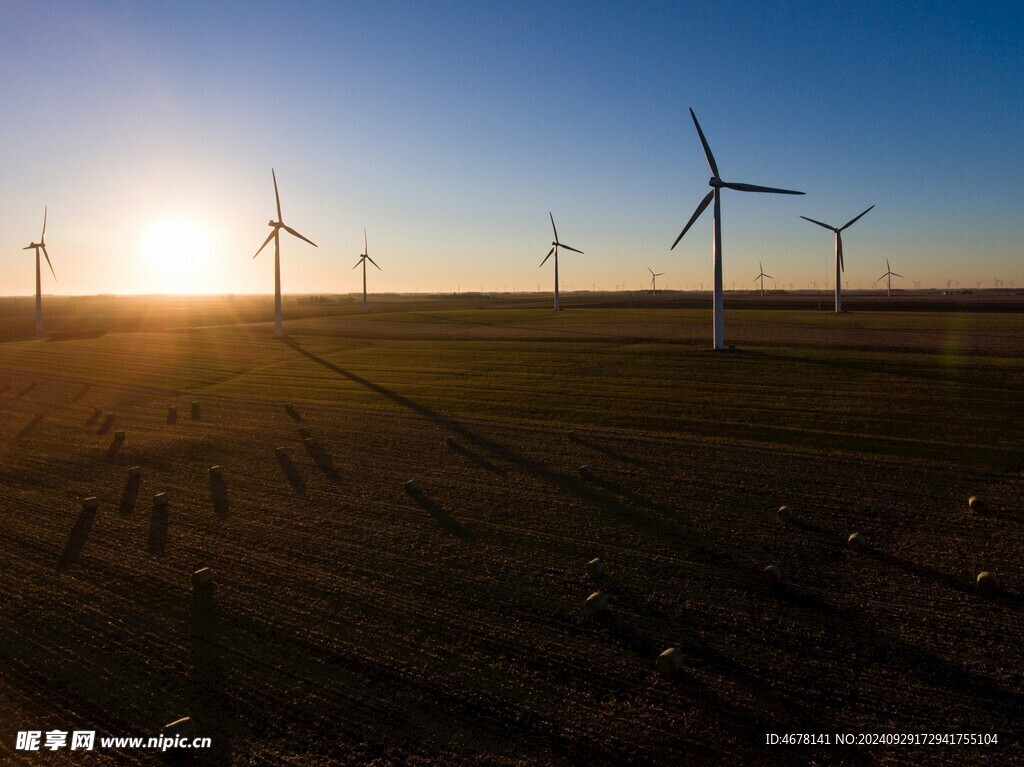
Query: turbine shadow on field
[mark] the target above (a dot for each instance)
(477, 459)
(130, 495)
(442, 517)
(77, 538)
(612, 453)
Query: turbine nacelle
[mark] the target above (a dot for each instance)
(716, 182)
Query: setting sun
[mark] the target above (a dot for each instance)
(177, 257)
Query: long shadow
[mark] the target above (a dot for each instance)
(93, 418)
(477, 459)
(76, 540)
(323, 461)
(291, 473)
(442, 517)
(158, 529)
(29, 427)
(219, 496)
(617, 455)
(172, 415)
(82, 392)
(108, 421)
(130, 495)
(921, 571)
(115, 446)
(209, 705)
(293, 413)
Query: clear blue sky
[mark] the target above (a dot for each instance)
(449, 130)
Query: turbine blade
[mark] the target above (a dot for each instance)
(548, 256)
(266, 242)
(650, 270)
(366, 250)
(293, 232)
(753, 188)
(707, 150)
(882, 278)
(661, 274)
(48, 262)
(895, 275)
(853, 220)
(830, 228)
(358, 262)
(373, 262)
(839, 251)
(553, 225)
(769, 277)
(277, 197)
(888, 267)
(45, 211)
(696, 214)
(569, 247)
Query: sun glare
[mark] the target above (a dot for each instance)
(177, 257)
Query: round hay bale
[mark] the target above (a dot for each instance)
(172, 410)
(596, 603)
(280, 452)
(412, 486)
(670, 662)
(987, 583)
(109, 416)
(596, 567)
(216, 471)
(856, 542)
(118, 435)
(975, 504)
(309, 442)
(90, 503)
(135, 472)
(161, 499)
(202, 577)
(449, 441)
(771, 576)
(786, 514)
(585, 471)
(572, 434)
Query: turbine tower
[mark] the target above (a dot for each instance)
(717, 185)
(275, 236)
(363, 258)
(654, 280)
(889, 274)
(555, 245)
(761, 277)
(37, 246)
(839, 253)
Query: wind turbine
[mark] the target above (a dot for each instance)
(363, 258)
(716, 184)
(654, 278)
(999, 283)
(39, 294)
(889, 274)
(555, 245)
(275, 236)
(839, 253)
(761, 277)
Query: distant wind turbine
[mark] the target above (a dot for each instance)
(889, 274)
(761, 277)
(555, 245)
(654, 278)
(999, 283)
(839, 253)
(275, 236)
(716, 184)
(37, 246)
(363, 258)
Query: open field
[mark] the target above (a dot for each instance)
(355, 623)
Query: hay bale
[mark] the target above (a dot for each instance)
(987, 583)
(280, 452)
(786, 514)
(670, 662)
(449, 441)
(216, 471)
(181, 729)
(203, 577)
(975, 504)
(771, 576)
(596, 603)
(90, 503)
(172, 411)
(135, 472)
(310, 443)
(572, 434)
(596, 567)
(585, 471)
(196, 412)
(119, 435)
(161, 499)
(412, 486)
(856, 542)
(109, 417)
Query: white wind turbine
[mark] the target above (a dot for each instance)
(275, 236)
(839, 252)
(363, 258)
(717, 185)
(555, 245)
(889, 274)
(761, 277)
(37, 246)
(654, 280)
